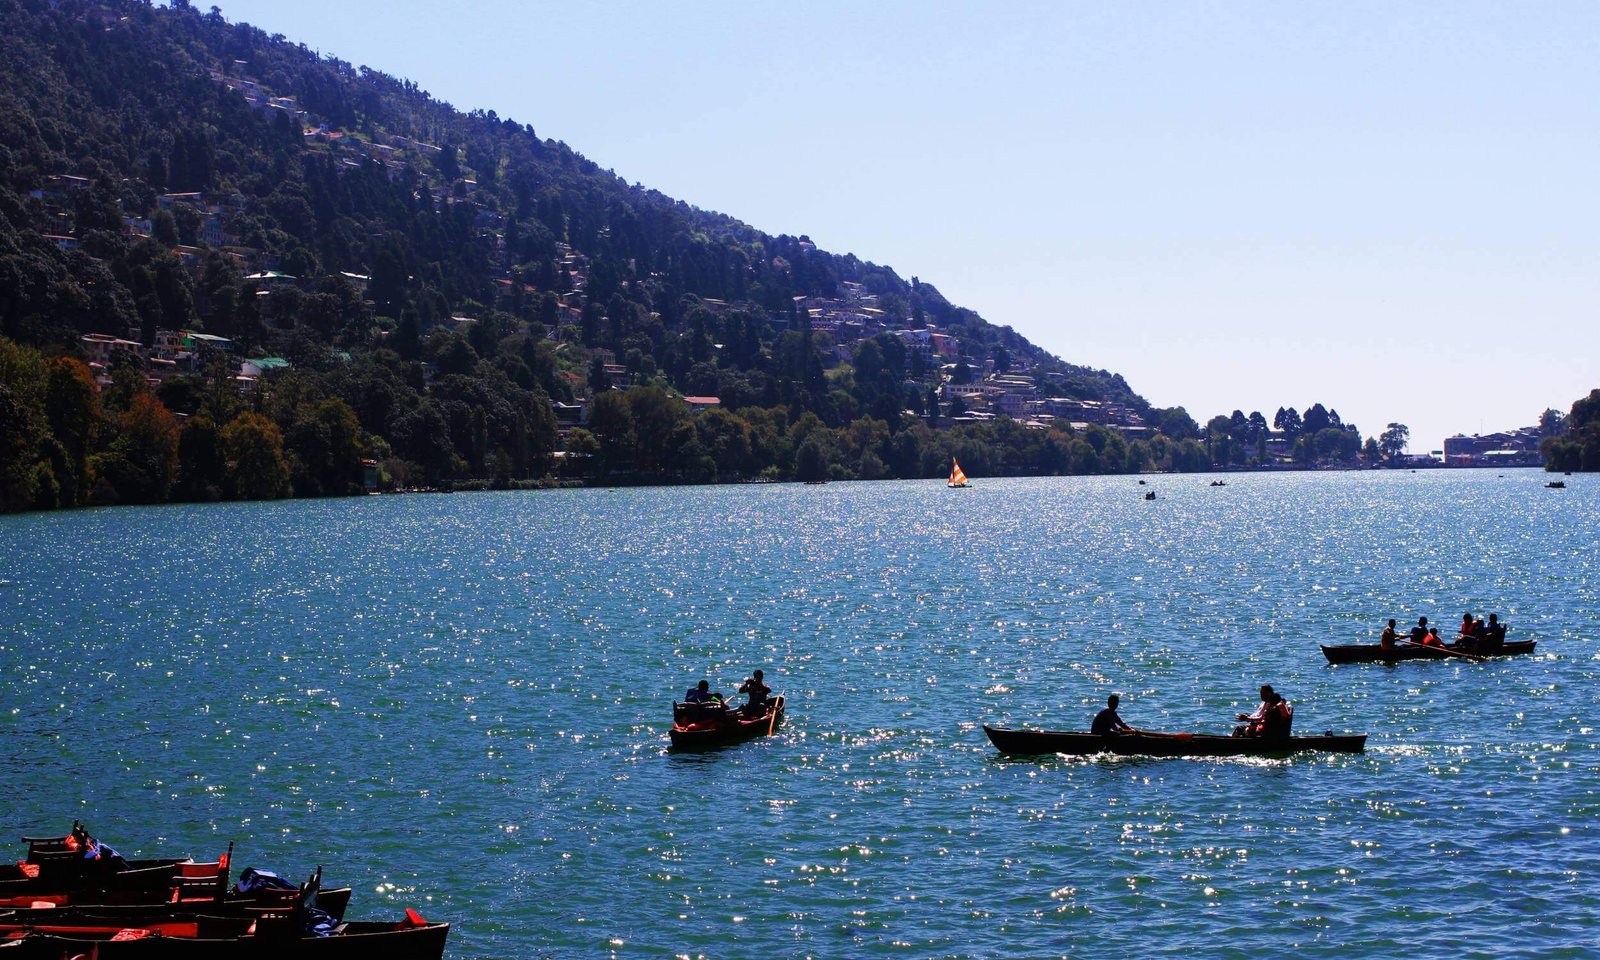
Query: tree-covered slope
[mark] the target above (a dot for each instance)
(443, 277)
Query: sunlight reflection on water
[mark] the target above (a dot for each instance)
(460, 703)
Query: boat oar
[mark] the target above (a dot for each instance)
(774, 721)
(1454, 653)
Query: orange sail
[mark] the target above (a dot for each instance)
(957, 478)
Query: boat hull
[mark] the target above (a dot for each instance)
(701, 737)
(1373, 653)
(332, 902)
(356, 941)
(1038, 742)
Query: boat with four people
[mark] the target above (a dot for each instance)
(1143, 743)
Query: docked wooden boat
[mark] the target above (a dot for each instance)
(1374, 653)
(209, 938)
(112, 886)
(160, 907)
(701, 725)
(1039, 742)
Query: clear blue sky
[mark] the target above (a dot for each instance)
(1391, 209)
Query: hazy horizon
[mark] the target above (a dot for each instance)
(1386, 211)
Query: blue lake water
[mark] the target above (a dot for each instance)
(459, 703)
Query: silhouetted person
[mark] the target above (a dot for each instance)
(1106, 722)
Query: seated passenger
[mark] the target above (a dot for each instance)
(1494, 634)
(1279, 718)
(1419, 633)
(1106, 722)
(1465, 630)
(701, 693)
(1433, 639)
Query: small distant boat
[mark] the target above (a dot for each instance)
(1145, 744)
(1150, 496)
(958, 479)
(1218, 483)
(1557, 484)
(698, 726)
(1141, 483)
(1374, 653)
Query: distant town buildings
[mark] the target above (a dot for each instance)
(1511, 448)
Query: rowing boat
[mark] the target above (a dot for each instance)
(697, 726)
(1374, 653)
(206, 938)
(1038, 742)
(71, 908)
(112, 887)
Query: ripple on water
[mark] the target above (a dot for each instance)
(459, 703)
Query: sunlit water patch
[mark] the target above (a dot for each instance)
(460, 703)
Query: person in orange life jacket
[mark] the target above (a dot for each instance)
(1433, 639)
(758, 692)
(1278, 718)
(1389, 636)
(1465, 632)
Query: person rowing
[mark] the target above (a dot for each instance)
(1494, 634)
(1107, 723)
(1419, 633)
(1389, 637)
(1252, 721)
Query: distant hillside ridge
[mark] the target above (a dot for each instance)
(177, 102)
(236, 224)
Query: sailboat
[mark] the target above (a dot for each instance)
(957, 478)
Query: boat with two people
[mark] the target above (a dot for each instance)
(1265, 733)
(703, 719)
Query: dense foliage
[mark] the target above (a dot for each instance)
(442, 285)
(1573, 442)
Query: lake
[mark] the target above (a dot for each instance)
(459, 703)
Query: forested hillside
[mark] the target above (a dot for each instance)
(230, 267)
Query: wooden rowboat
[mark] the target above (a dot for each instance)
(1373, 653)
(206, 938)
(108, 887)
(59, 909)
(1039, 742)
(697, 726)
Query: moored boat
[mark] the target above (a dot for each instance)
(154, 909)
(1141, 743)
(701, 725)
(1374, 653)
(234, 939)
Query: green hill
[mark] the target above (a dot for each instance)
(445, 294)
